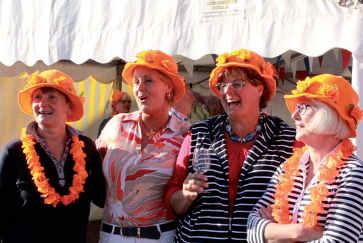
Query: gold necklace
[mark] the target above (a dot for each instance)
(150, 133)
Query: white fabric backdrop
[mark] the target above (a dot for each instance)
(78, 30)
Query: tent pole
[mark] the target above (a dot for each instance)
(357, 83)
(118, 80)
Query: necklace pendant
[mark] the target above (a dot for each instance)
(150, 133)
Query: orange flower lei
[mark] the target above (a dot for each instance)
(41, 181)
(328, 172)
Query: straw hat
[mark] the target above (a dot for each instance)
(332, 90)
(245, 59)
(161, 62)
(51, 79)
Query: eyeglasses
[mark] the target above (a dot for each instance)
(301, 108)
(235, 84)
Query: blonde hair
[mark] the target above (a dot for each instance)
(167, 80)
(327, 121)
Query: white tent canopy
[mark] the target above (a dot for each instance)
(101, 30)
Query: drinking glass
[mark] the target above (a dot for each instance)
(201, 160)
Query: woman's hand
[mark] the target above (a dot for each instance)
(266, 213)
(305, 233)
(193, 185)
(283, 233)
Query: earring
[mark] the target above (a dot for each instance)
(169, 96)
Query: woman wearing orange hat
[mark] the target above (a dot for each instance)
(140, 150)
(120, 103)
(245, 147)
(317, 193)
(50, 176)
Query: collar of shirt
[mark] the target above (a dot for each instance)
(173, 123)
(59, 164)
(179, 115)
(248, 137)
(31, 129)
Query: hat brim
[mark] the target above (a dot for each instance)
(177, 81)
(25, 100)
(268, 83)
(292, 100)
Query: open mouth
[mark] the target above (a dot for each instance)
(233, 103)
(142, 98)
(45, 113)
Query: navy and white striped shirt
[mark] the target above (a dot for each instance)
(342, 218)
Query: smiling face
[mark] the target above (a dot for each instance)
(150, 89)
(50, 107)
(240, 95)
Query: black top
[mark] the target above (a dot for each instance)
(102, 125)
(24, 218)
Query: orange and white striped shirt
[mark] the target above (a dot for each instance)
(137, 178)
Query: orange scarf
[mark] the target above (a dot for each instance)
(40, 180)
(328, 172)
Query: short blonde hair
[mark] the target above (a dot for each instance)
(327, 121)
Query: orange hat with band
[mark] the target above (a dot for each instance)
(332, 90)
(51, 79)
(249, 60)
(161, 62)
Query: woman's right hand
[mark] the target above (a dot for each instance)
(275, 232)
(305, 233)
(194, 184)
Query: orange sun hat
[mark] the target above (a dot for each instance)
(51, 79)
(245, 59)
(161, 62)
(332, 90)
